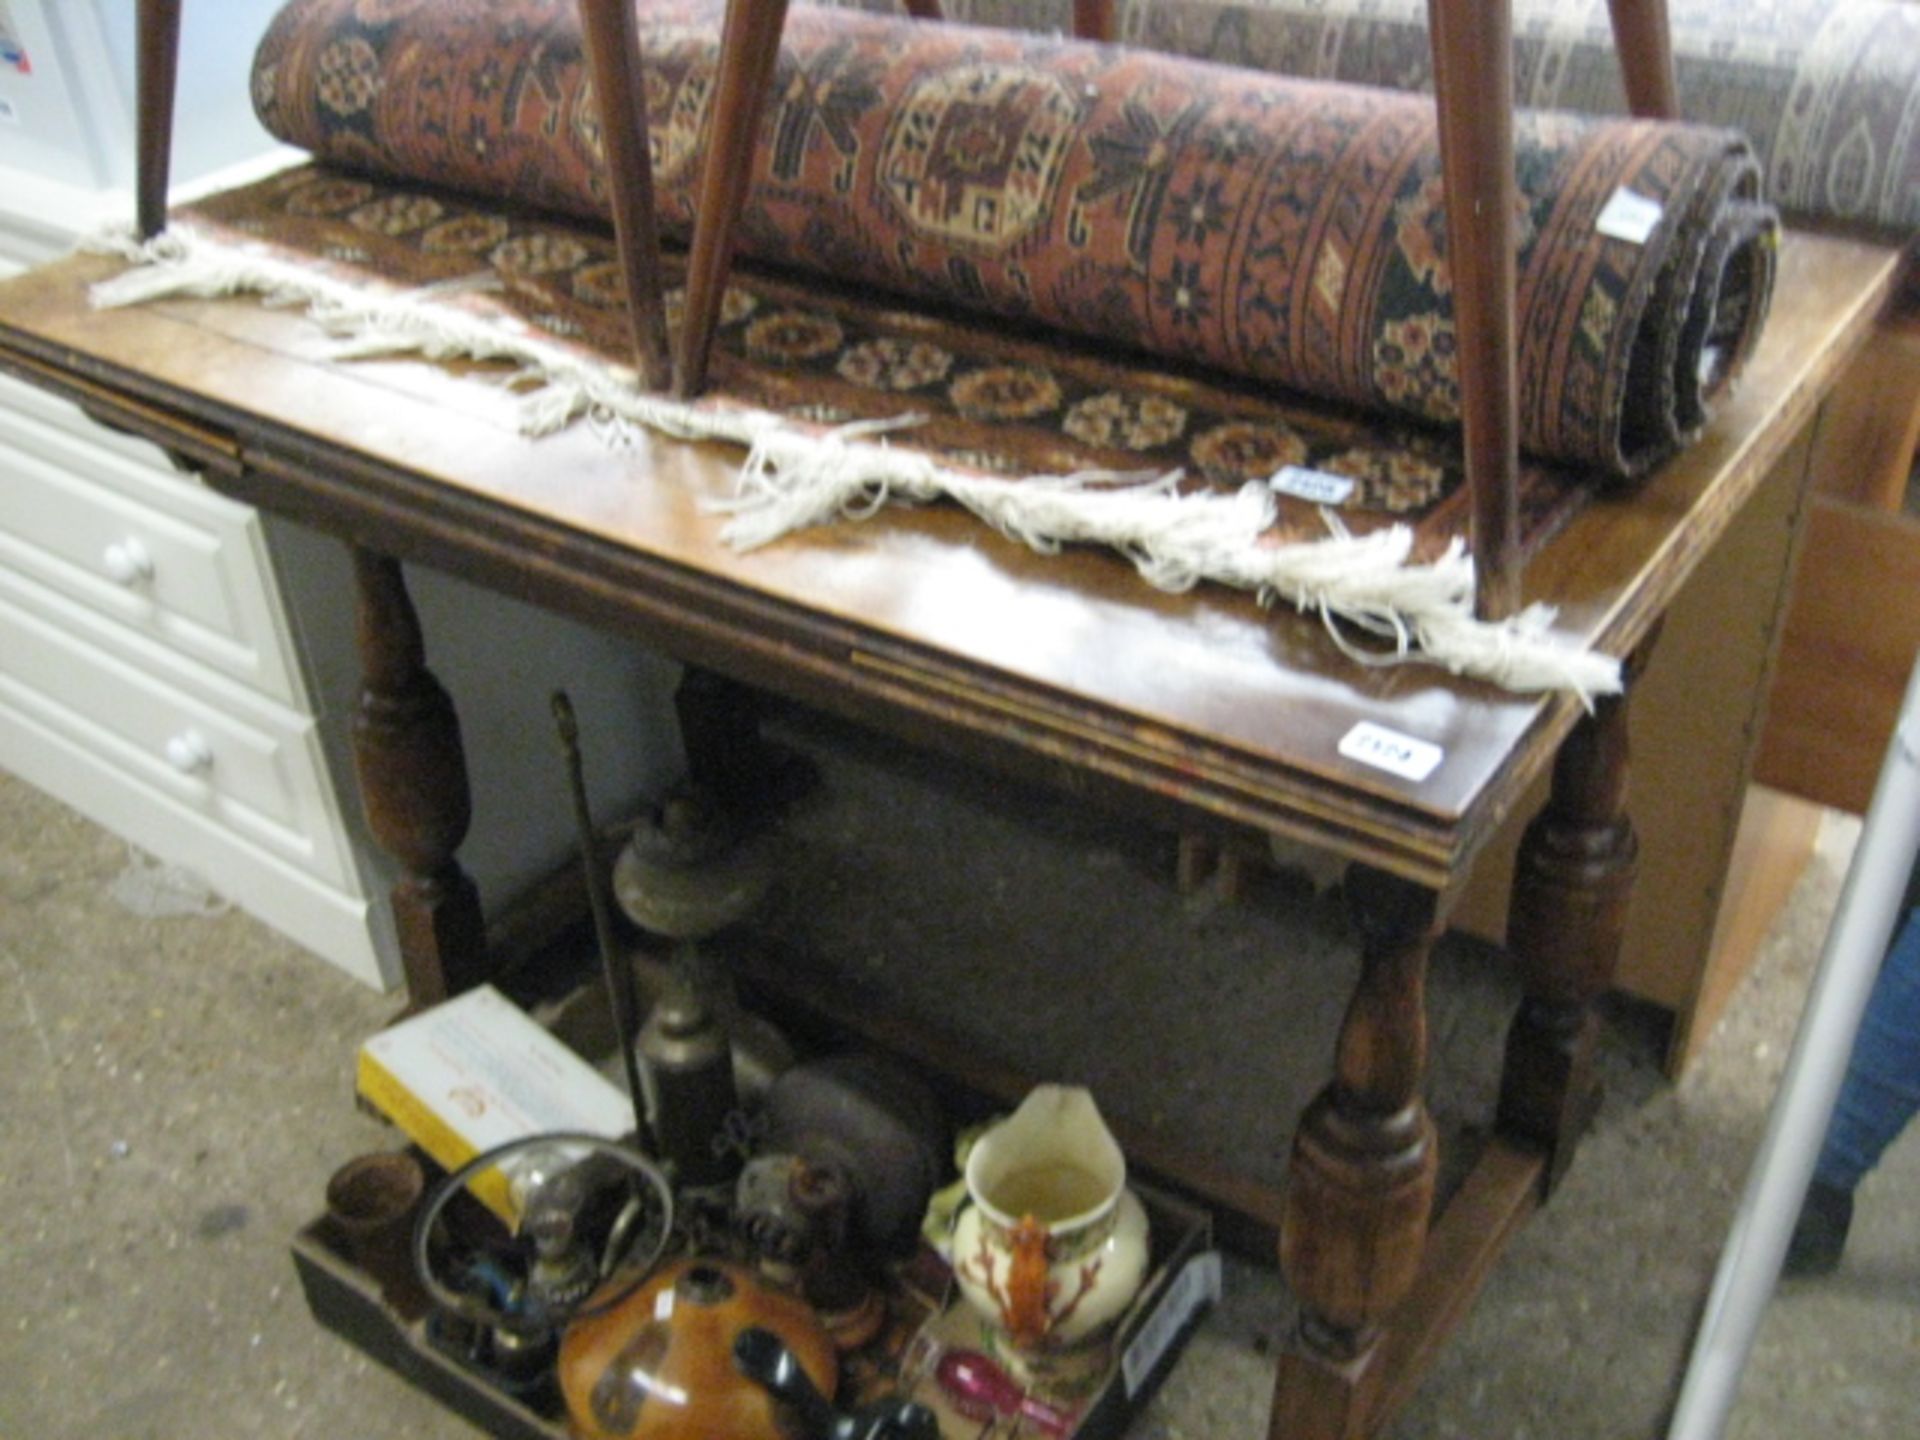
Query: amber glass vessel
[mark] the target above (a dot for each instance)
(659, 1366)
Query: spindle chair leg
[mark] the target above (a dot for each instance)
(1643, 38)
(613, 55)
(157, 45)
(1473, 85)
(749, 54)
(1093, 20)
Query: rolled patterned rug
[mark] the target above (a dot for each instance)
(1826, 90)
(1290, 231)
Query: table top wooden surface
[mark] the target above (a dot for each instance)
(923, 620)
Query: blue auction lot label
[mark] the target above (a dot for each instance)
(1316, 486)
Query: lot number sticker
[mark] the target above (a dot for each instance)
(1389, 750)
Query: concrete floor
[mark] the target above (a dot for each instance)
(177, 1090)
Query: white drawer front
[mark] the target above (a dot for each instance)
(249, 764)
(341, 926)
(102, 519)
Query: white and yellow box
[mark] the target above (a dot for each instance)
(477, 1071)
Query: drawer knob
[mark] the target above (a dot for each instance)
(129, 561)
(189, 753)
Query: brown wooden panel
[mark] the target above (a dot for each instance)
(1851, 634)
(1775, 841)
(1873, 423)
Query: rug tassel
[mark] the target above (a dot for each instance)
(795, 477)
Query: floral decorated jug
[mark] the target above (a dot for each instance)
(1052, 1247)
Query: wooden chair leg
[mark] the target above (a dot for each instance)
(1360, 1180)
(413, 786)
(1643, 38)
(613, 54)
(1567, 916)
(158, 66)
(1473, 86)
(749, 52)
(1093, 20)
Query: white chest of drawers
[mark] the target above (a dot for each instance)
(179, 674)
(148, 677)
(182, 676)
(148, 673)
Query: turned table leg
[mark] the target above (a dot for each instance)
(413, 785)
(1567, 916)
(1361, 1176)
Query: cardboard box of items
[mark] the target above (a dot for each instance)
(477, 1071)
(1181, 1286)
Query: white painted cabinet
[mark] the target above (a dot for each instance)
(147, 671)
(181, 670)
(147, 678)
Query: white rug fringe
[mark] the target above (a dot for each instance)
(796, 477)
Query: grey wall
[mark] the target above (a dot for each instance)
(501, 660)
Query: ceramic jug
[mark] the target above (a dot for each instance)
(1051, 1247)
